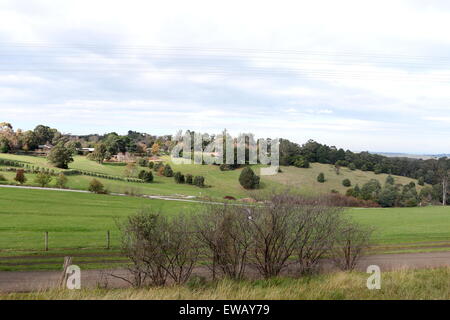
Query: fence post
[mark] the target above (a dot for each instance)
(46, 240)
(63, 279)
(108, 240)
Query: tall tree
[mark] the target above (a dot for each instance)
(60, 156)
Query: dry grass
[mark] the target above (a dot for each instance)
(402, 284)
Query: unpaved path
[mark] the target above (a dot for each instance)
(41, 280)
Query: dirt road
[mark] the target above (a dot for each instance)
(40, 280)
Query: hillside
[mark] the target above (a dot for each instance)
(306, 179)
(221, 183)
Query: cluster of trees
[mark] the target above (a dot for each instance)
(231, 240)
(312, 151)
(42, 179)
(435, 172)
(198, 181)
(146, 176)
(107, 145)
(391, 194)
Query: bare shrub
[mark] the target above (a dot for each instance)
(275, 228)
(317, 237)
(350, 242)
(141, 238)
(182, 248)
(158, 248)
(224, 232)
(309, 227)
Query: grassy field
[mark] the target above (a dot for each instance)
(220, 183)
(78, 220)
(403, 225)
(404, 284)
(73, 220)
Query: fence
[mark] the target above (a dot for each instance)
(13, 165)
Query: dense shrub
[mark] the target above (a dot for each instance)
(20, 176)
(168, 172)
(346, 183)
(43, 179)
(179, 177)
(151, 164)
(146, 176)
(321, 178)
(199, 181)
(301, 162)
(96, 186)
(2, 178)
(189, 179)
(248, 179)
(141, 174)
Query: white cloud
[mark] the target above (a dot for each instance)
(351, 73)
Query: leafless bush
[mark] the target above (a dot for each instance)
(350, 242)
(317, 237)
(275, 228)
(224, 232)
(158, 248)
(182, 248)
(309, 227)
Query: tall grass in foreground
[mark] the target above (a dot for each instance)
(402, 284)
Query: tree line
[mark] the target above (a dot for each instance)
(434, 172)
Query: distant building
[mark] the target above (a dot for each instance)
(45, 147)
(86, 149)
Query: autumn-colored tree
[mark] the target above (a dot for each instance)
(155, 149)
(20, 176)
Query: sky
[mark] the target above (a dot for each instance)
(361, 75)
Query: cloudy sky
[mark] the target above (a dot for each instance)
(363, 75)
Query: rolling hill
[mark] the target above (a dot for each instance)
(220, 183)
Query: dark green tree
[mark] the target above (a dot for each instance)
(390, 180)
(301, 162)
(199, 181)
(60, 156)
(147, 176)
(388, 196)
(346, 183)
(248, 179)
(179, 177)
(168, 172)
(371, 190)
(421, 181)
(321, 178)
